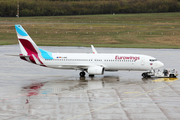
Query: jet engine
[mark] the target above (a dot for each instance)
(95, 70)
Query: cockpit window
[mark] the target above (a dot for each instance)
(152, 60)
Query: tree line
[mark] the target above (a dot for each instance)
(8, 8)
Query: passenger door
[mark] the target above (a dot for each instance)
(142, 61)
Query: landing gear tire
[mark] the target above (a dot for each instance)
(145, 75)
(82, 74)
(171, 76)
(91, 75)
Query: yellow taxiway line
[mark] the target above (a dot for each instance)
(165, 80)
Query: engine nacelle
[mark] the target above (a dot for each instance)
(96, 70)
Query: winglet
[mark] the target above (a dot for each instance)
(94, 50)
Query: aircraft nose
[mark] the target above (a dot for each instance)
(160, 64)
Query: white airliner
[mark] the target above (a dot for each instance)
(93, 64)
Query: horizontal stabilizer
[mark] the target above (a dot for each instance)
(20, 55)
(24, 55)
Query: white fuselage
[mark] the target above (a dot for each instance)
(110, 62)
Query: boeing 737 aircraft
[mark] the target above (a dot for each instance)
(93, 64)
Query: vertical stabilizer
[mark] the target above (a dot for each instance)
(27, 45)
(29, 50)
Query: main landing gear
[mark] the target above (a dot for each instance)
(82, 74)
(91, 75)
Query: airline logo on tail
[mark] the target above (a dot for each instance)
(30, 51)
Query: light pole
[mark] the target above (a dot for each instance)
(17, 9)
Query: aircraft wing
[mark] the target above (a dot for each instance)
(75, 66)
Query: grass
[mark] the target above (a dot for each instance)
(152, 30)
